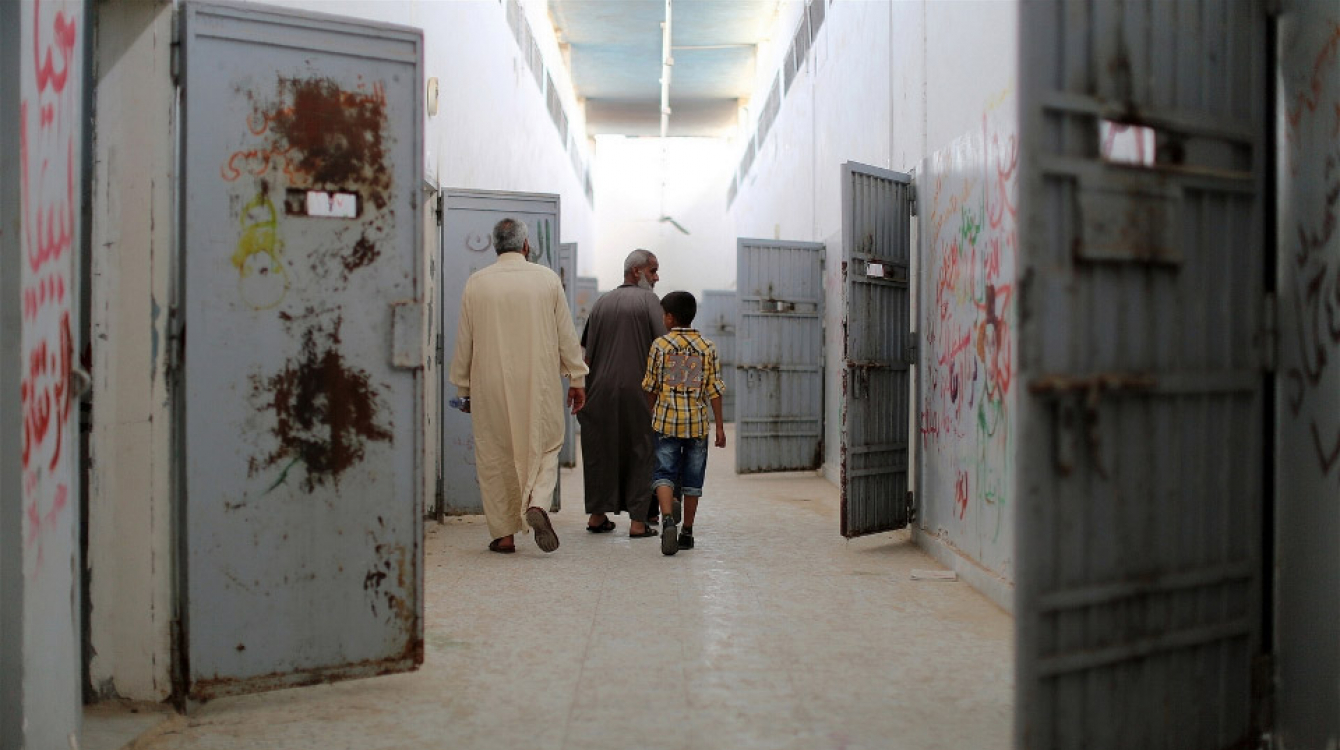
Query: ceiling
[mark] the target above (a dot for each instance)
(615, 55)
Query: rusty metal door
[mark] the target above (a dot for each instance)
(567, 272)
(780, 407)
(877, 349)
(1143, 359)
(300, 391)
(467, 246)
(716, 319)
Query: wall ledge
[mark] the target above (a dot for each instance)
(999, 590)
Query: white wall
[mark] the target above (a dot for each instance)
(492, 131)
(130, 502)
(630, 203)
(888, 84)
(1308, 407)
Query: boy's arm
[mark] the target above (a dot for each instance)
(721, 427)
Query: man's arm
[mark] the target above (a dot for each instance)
(721, 426)
(463, 356)
(571, 362)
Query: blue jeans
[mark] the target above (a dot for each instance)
(680, 462)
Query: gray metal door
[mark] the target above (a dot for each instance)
(567, 271)
(716, 319)
(300, 392)
(877, 349)
(779, 411)
(587, 292)
(467, 246)
(1141, 238)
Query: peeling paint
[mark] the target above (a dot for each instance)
(155, 311)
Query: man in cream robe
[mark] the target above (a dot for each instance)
(514, 341)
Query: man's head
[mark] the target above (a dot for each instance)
(642, 269)
(680, 309)
(509, 236)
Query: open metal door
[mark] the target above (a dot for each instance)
(1139, 588)
(467, 246)
(567, 272)
(877, 349)
(300, 393)
(780, 406)
(716, 319)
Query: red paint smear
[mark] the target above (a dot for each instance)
(64, 32)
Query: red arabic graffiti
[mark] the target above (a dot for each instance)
(49, 122)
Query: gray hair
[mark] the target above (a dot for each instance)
(636, 259)
(509, 236)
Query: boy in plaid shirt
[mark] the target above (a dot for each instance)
(683, 376)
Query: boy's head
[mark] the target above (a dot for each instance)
(680, 307)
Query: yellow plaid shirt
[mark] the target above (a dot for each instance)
(685, 374)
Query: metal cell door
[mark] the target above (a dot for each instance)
(299, 461)
(716, 319)
(587, 294)
(877, 349)
(567, 272)
(467, 246)
(1139, 589)
(779, 410)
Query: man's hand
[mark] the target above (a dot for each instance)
(721, 436)
(576, 399)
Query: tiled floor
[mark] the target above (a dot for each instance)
(773, 633)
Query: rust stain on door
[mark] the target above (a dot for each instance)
(325, 411)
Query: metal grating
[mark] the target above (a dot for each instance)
(554, 102)
(516, 19)
(779, 340)
(816, 13)
(578, 165)
(717, 316)
(877, 339)
(1140, 456)
(768, 116)
(535, 58)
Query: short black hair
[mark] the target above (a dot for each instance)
(681, 306)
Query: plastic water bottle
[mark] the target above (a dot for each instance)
(459, 402)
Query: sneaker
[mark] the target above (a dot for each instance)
(686, 541)
(669, 539)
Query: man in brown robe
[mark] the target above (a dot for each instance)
(514, 340)
(617, 443)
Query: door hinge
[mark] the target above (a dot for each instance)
(441, 345)
(912, 199)
(440, 209)
(1270, 335)
(176, 348)
(911, 506)
(174, 56)
(911, 354)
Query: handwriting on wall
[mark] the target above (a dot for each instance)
(49, 126)
(1311, 245)
(968, 323)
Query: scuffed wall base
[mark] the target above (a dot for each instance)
(992, 586)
